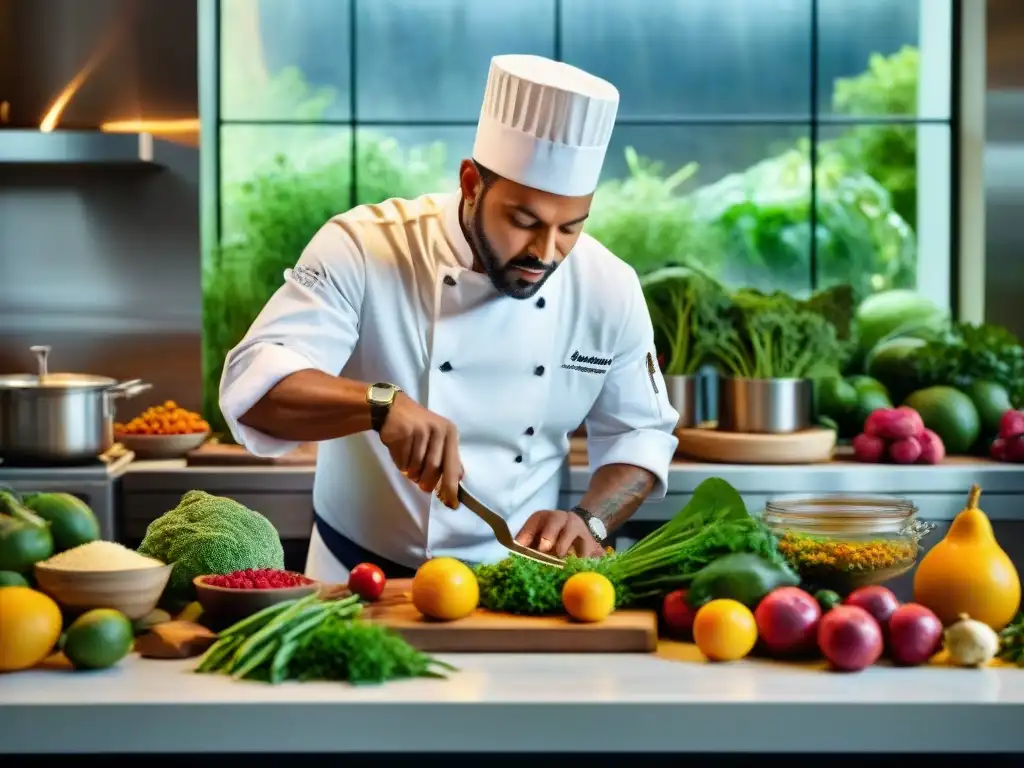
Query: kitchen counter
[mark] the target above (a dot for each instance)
(669, 702)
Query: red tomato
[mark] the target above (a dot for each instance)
(677, 614)
(367, 581)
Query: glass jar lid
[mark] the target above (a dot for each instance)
(840, 513)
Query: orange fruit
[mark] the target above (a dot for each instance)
(30, 624)
(724, 630)
(445, 589)
(588, 597)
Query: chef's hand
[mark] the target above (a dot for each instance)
(425, 447)
(556, 532)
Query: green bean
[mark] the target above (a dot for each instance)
(217, 653)
(257, 620)
(254, 660)
(279, 666)
(279, 622)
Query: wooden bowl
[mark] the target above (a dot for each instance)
(134, 593)
(230, 604)
(162, 446)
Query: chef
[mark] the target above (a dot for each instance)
(465, 337)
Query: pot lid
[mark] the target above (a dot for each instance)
(55, 381)
(46, 380)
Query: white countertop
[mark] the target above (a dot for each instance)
(669, 702)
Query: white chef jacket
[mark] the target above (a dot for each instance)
(387, 293)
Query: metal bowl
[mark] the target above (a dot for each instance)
(765, 405)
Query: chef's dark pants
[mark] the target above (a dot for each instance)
(350, 554)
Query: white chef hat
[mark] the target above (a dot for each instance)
(545, 124)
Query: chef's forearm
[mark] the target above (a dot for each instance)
(308, 406)
(616, 491)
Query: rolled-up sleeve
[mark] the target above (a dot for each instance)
(311, 321)
(632, 421)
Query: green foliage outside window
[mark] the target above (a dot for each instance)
(749, 228)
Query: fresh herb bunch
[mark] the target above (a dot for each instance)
(970, 353)
(518, 585)
(775, 336)
(682, 302)
(360, 652)
(310, 638)
(1011, 641)
(713, 523)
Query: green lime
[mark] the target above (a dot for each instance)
(836, 397)
(950, 414)
(12, 579)
(98, 639)
(992, 401)
(827, 599)
(864, 384)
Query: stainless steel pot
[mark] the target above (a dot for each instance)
(764, 405)
(684, 395)
(59, 417)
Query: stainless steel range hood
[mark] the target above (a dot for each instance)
(102, 82)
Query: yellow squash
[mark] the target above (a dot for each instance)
(968, 572)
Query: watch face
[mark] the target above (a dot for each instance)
(382, 393)
(597, 528)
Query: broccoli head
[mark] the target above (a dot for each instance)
(208, 534)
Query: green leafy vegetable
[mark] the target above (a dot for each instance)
(1011, 641)
(682, 302)
(314, 639)
(776, 336)
(713, 523)
(965, 354)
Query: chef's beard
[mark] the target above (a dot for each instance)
(501, 275)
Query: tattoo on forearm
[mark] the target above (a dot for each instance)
(622, 502)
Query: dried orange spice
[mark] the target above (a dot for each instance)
(166, 419)
(809, 552)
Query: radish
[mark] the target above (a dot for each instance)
(905, 451)
(868, 448)
(1011, 425)
(1015, 449)
(894, 423)
(933, 450)
(998, 449)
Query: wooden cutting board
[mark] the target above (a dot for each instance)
(485, 632)
(810, 446)
(222, 454)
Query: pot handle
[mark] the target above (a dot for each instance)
(42, 352)
(129, 389)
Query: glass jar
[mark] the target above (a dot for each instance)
(845, 541)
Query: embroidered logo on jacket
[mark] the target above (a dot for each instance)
(587, 363)
(307, 277)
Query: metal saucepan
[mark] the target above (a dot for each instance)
(773, 406)
(59, 417)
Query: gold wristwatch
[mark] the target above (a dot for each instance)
(380, 398)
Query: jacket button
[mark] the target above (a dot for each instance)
(541, 303)
(446, 366)
(539, 370)
(529, 430)
(519, 459)
(449, 280)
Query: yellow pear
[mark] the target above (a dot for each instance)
(968, 572)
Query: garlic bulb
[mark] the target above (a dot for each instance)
(971, 643)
